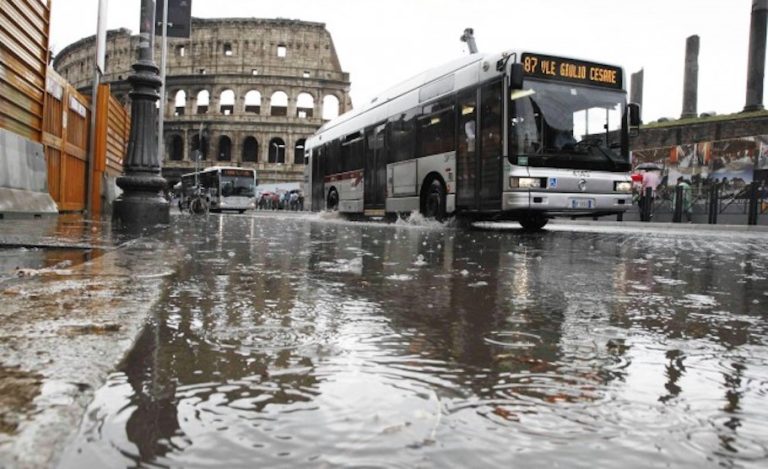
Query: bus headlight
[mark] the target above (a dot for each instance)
(622, 186)
(525, 183)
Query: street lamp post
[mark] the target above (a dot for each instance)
(141, 204)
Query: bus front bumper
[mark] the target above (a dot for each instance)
(566, 203)
(236, 204)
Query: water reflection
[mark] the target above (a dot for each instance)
(50, 245)
(317, 342)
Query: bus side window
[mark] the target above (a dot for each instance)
(436, 129)
(466, 148)
(467, 125)
(352, 151)
(333, 155)
(402, 136)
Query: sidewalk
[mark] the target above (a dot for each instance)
(660, 226)
(74, 296)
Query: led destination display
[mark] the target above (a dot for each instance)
(237, 172)
(577, 71)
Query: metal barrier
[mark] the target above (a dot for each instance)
(748, 204)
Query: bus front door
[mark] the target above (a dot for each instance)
(375, 168)
(491, 147)
(478, 155)
(467, 163)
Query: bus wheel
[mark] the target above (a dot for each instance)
(533, 222)
(332, 203)
(434, 201)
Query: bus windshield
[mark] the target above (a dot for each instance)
(237, 186)
(566, 126)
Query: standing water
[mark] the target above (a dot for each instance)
(316, 342)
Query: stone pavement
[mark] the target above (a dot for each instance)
(73, 297)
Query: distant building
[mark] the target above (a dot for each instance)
(260, 87)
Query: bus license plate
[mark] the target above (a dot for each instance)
(582, 203)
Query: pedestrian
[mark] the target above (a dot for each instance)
(651, 180)
(686, 198)
(725, 184)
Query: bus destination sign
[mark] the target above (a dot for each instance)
(575, 71)
(236, 172)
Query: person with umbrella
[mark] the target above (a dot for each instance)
(651, 179)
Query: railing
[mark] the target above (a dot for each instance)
(708, 204)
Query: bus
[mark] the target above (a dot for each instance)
(225, 188)
(516, 136)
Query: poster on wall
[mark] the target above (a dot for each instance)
(731, 161)
(762, 159)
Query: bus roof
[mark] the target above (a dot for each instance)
(466, 70)
(211, 169)
(411, 84)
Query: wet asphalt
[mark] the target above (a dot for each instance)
(304, 340)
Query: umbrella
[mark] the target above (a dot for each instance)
(649, 167)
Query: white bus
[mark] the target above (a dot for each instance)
(224, 187)
(511, 136)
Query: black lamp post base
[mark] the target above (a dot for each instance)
(141, 205)
(138, 210)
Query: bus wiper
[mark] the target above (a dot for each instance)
(597, 144)
(588, 143)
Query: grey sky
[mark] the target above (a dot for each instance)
(381, 42)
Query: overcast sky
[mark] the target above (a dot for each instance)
(381, 42)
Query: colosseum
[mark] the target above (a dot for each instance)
(242, 91)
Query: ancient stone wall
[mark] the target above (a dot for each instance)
(732, 148)
(697, 130)
(259, 87)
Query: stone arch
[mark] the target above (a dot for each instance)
(251, 149)
(276, 150)
(202, 102)
(180, 103)
(278, 104)
(201, 145)
(225, 149)
(330, 107)
(176, 147)
(227, 102)
(253, 102)
(305, 105)
(298, 151)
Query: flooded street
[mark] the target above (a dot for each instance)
(310, 341)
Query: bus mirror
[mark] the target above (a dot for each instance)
(634, 115)
(516, 76)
